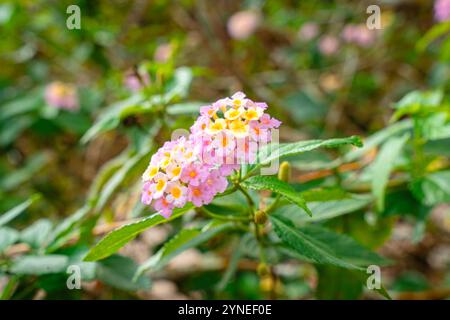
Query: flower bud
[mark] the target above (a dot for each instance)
(266, 284)
(263, 270)
(260, 217)
(284, 173)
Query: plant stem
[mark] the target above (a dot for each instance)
(247, 196)
(273, 205)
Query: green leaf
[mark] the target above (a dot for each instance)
(418, 102)
(116, 239)
(411, 281)
(140, 104)
(37, 234)
(274, 151)
(438, 147)
(435, 126)
(117, 178)
(13, 128)
(118, 271)
(105, 173)
(325, 194)
(39, 265)
(433, 189)
(111, 116)
(378, 138)
(63, 230)
(14, 212)
(22, 105)
(184, 108)
(383, 165)
(185, 239)
(8, 236)
(273, 184)
(371, 233)
(322, 246)
(236, 255)
(9, 288)
(323, 210)
(180, 84)
(421, 98)
(32, 166)
(338, 284)
(435, 32)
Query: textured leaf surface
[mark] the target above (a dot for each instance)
(185, 239)
(116, 239)
(273, 184)
(434, 188)
(38, 265)
(383, 165)
(14, 212)
(324, 210)
(322, 246)
(272, 152)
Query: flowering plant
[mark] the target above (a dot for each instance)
(228, 142)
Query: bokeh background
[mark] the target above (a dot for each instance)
(316, 64)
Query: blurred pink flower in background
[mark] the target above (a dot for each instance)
(136, 80)
(328, 45)
(62, 95)
(243, 24)
(359, 34)
(163, 52)
(308, 31)
(442, 10)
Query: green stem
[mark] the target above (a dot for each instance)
(273, 205)
(247, 196)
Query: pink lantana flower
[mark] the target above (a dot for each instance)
(164, 207)
(177, 194)
(62, 95)
(215, 181)
(442, 10)
(194, 174)
(147, 194)
(268, 123)
(200, 195)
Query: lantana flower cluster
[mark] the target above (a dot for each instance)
(231, 130)
(227, 133)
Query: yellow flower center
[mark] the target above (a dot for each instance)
(150, 173)
(176, 192)
(233, 114)
(193, 174)
(62, 90)
(211, 112)
(160, 185)
(237, 103)
(176, 171)
(196, 192)
(165, 162)
(218, 125)
(252, 114)
(238, 127)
